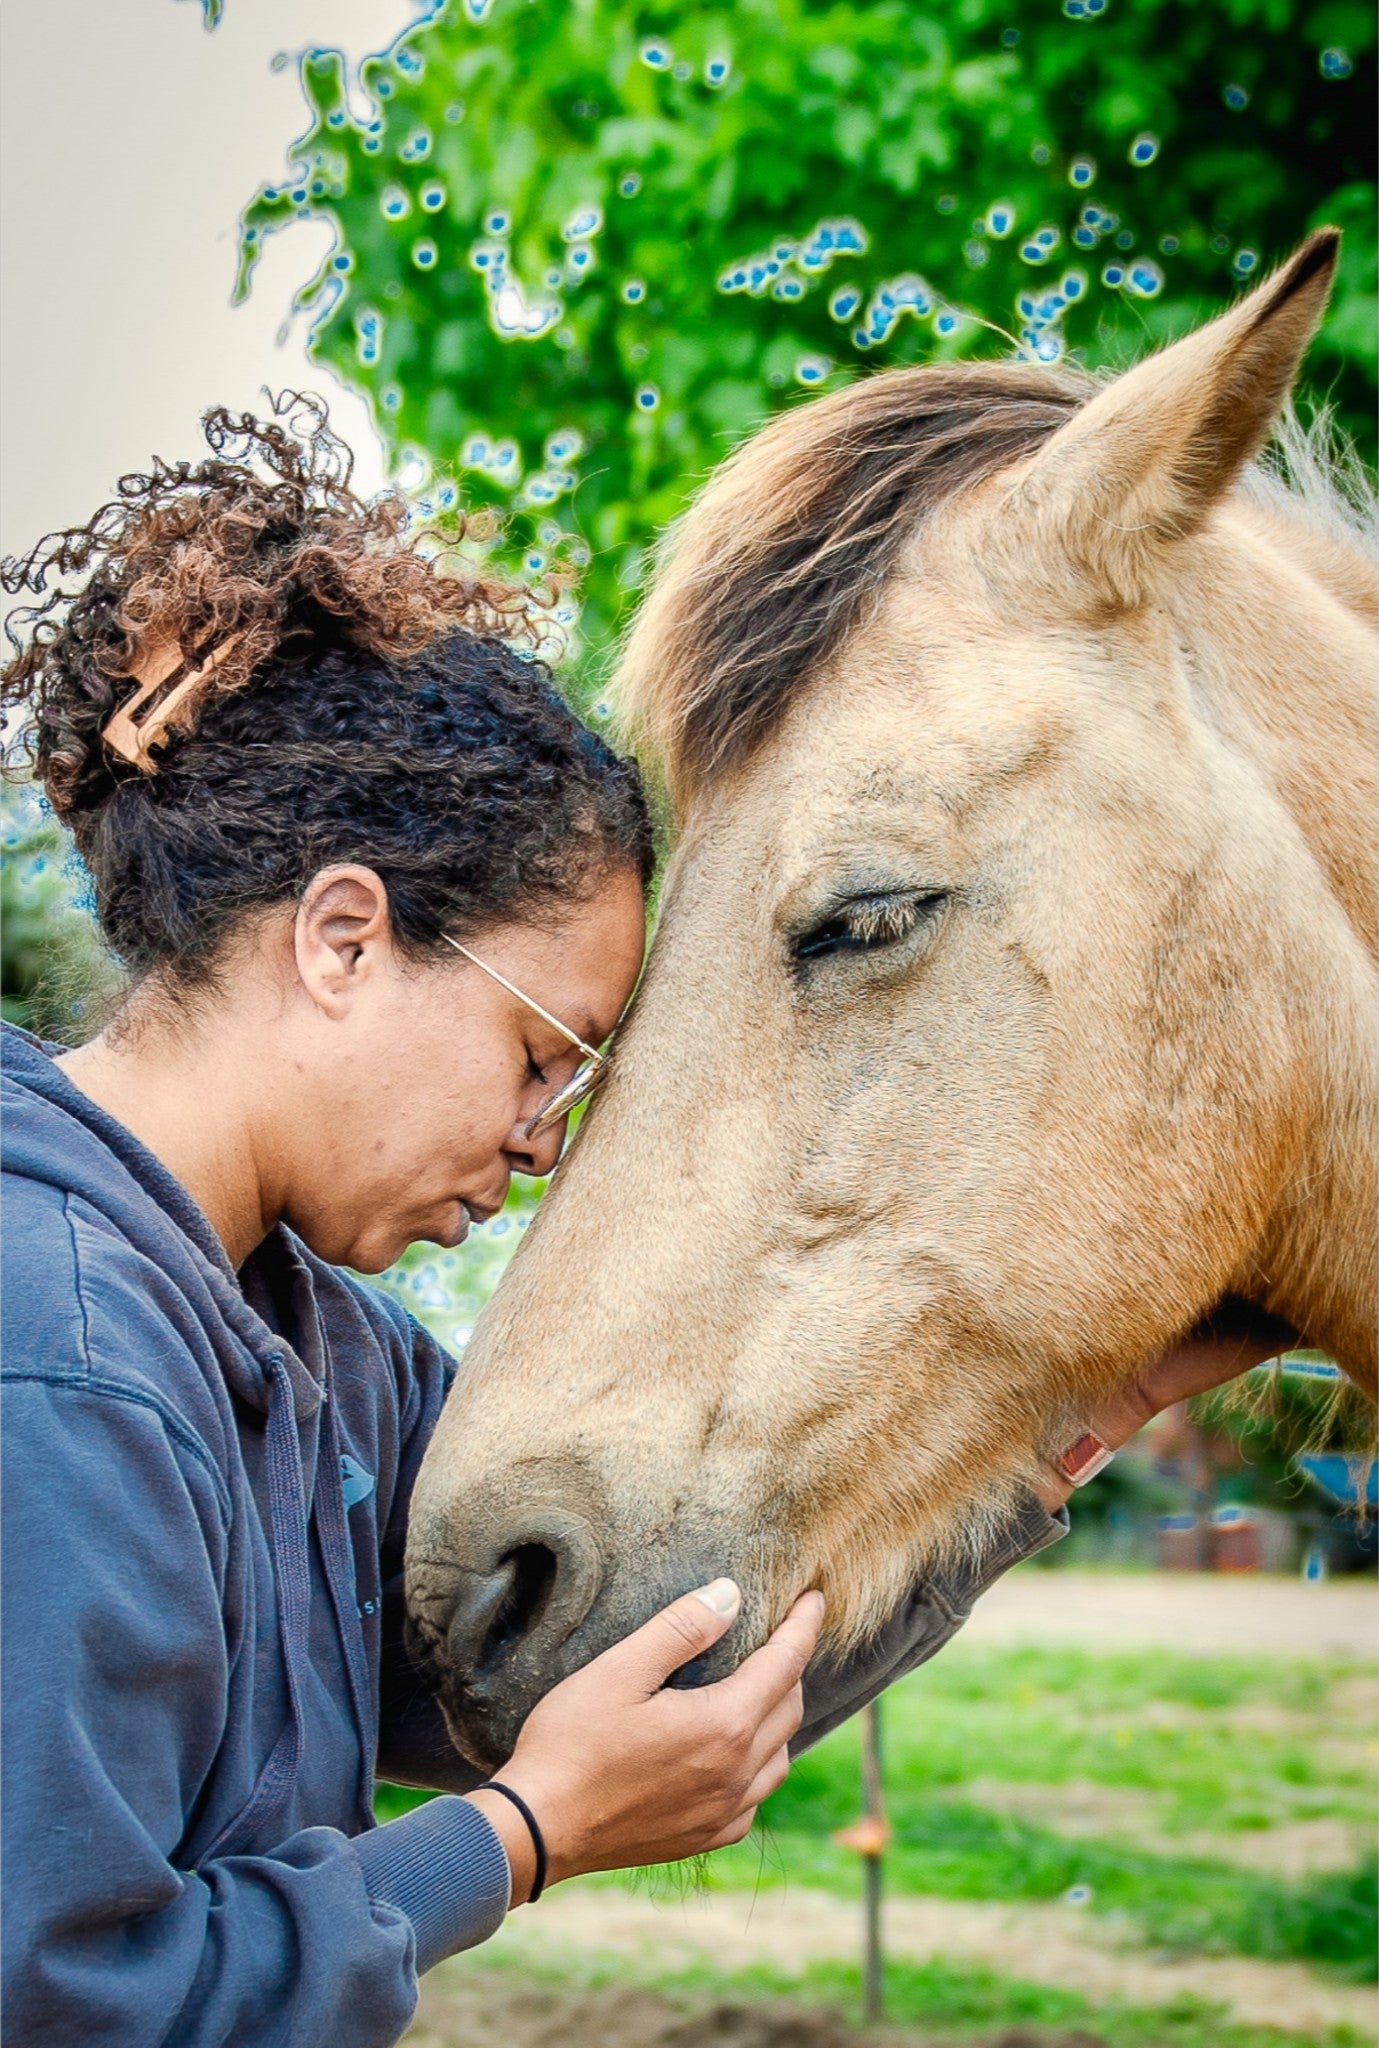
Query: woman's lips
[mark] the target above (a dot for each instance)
(458, 1230)
(465, 1214)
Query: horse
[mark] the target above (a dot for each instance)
(1012, 1003)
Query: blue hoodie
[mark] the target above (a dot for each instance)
(206, 1482)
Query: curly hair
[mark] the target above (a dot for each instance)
(368, 704)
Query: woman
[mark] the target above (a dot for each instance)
(379, 895)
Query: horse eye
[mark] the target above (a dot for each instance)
(866, 924)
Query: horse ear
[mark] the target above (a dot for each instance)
(1142, 463)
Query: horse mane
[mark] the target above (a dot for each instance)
(1312, 471)
(794, 535)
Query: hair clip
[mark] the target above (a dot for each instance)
(134, 740)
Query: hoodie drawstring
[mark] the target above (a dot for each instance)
(287, 1524)
(338, 1553)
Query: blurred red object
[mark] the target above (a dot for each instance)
(1233, 1543)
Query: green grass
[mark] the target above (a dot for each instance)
(1179, 1727)
(963, 1852)
(1227, 1746)
(1168, 1727)
(952, 2002)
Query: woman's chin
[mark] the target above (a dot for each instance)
(380, 1245)
(375, 1250)
(453, 1227)
(369, 1258)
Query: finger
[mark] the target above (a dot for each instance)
(1236, 1337)
(1199, 1364)
(776, 1730)
(762, 1680)
(1170, 1377)
(685, 1629)
(1049, 1487)
(770, 1777)
(1192, 1367)
(735, 1830)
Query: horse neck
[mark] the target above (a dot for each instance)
(1287, 657)
(1317, 1261)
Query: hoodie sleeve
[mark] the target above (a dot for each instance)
(115, 1688)
(929, 1617)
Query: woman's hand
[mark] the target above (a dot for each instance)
(620, 1769)
(1237, 1338)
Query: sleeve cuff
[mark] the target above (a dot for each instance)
(445, 1868)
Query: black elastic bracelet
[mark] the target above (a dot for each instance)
(537, 1840)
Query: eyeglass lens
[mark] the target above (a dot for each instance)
(577, 1089)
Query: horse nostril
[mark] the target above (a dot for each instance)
(530, 1571)
(520, 1609)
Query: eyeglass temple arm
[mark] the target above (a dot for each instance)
(503, 982)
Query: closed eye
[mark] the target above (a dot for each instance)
(867, 923)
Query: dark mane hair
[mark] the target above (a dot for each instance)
(774, 564)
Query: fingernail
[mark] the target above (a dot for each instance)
(720, 1596)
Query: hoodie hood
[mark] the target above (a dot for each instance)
(56, 1135)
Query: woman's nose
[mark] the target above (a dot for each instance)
(535, 1157)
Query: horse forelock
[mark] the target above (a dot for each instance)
(775, 563)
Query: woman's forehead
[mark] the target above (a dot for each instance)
(582, 965)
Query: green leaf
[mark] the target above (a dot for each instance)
(910, 123)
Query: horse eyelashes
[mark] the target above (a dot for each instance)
(866, 924)
(881, 921)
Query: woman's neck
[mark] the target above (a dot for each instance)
(183, 1097)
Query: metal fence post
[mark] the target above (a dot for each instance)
(873, 1976)
(868, 1836)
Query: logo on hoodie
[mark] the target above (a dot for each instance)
(356, 1482)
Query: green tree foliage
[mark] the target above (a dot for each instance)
(55, 976)
(584, 245)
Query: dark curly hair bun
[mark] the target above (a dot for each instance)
(369, 704)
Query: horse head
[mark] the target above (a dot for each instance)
(1012, 1002)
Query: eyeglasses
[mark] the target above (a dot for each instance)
(586, 1076)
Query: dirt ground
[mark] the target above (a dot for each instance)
(488, 2011)
(1081, 1809)
(1206, 1614)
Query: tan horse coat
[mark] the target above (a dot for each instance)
(1014, 998)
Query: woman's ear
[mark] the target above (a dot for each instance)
(341, 936)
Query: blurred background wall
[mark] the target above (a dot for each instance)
(130, 140)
